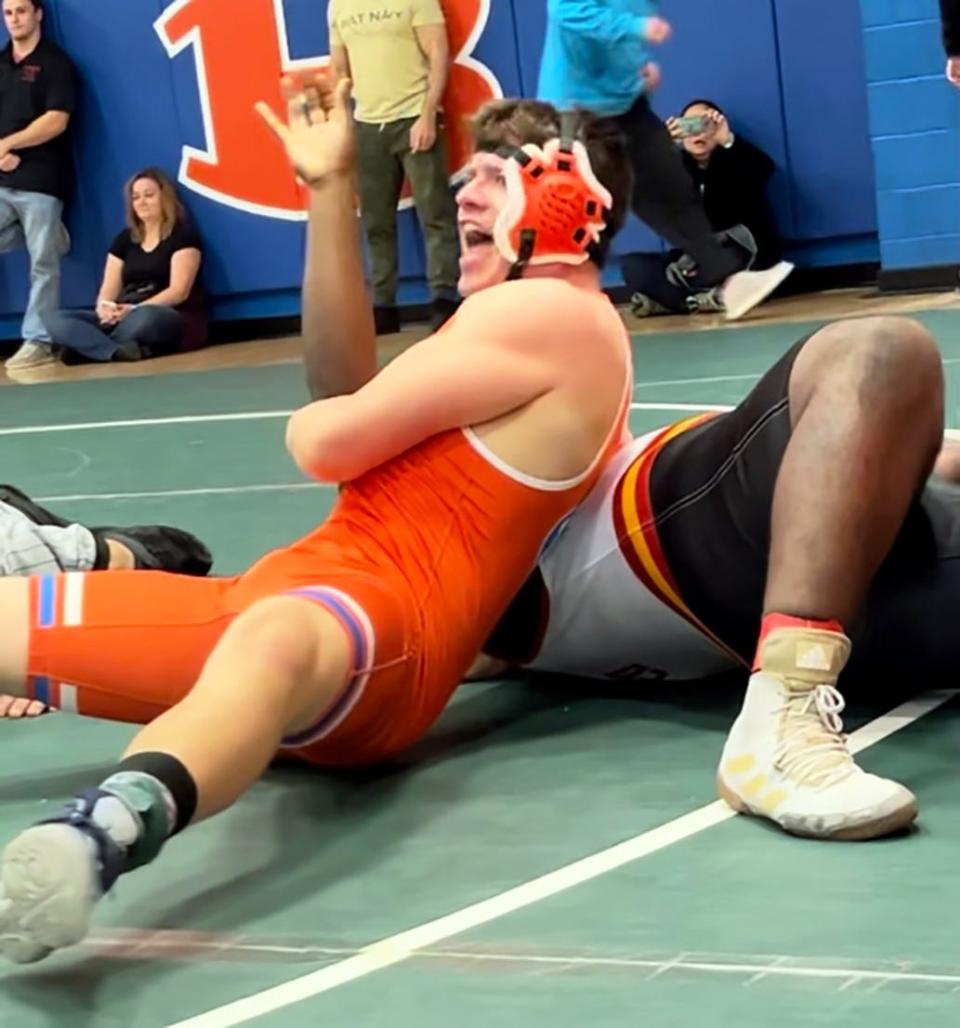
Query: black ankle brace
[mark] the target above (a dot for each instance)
(173, 776)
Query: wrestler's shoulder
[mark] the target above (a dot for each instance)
(527, 290)
(550, 305)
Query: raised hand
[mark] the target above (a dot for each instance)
(318, 133)
(718, 127)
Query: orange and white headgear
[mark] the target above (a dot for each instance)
(555, 203)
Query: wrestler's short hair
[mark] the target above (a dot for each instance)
(516, 122)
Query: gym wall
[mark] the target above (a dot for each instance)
(173, 84)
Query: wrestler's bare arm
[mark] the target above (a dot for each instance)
(339, 349)
(491, 360)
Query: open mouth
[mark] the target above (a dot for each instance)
(473, 238)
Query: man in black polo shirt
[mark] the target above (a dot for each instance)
(950, 18)
(37, 97)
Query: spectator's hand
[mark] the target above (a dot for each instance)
(9, 162)
(423, 133)
(718, 127)
(650, 73)
(106, 312)
(18, 706)
(953, 70)
(657, 30)
(113, 313)
(318, 135)
(675, 129)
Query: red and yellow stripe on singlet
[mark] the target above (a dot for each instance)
(634, 521)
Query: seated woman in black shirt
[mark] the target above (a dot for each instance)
(150, 301)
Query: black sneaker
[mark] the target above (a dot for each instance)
(160, 548)
(643, 306)
(132, 351)
(710, 301)
(386, 320)
(443, 310)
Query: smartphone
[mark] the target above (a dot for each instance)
(692, 126)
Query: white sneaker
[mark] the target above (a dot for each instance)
(49, 886)
(786, 758)
(31, 355)
(744, 290)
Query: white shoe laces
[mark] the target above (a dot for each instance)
(813, 749)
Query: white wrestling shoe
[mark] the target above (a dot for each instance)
(746, 289)
(48, 889)
(786, 758)
(51, 878)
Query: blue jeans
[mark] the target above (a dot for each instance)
(33, 220)
(156, 329)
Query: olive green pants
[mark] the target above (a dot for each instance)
(384, 158)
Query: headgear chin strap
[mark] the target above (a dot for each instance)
(555, 204)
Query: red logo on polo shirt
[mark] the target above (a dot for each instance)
(29, 72)
(241, 50)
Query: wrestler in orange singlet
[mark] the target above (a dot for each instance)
(459, 460)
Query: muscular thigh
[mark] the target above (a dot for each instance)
(397, 692)
(711, 491)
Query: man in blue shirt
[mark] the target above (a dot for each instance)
(597, 57)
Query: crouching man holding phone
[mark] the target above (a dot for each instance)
(730, 176)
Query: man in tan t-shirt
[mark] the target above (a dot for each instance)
(397, 54)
